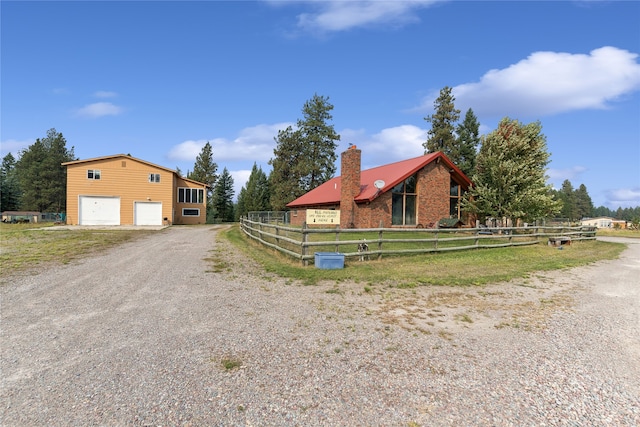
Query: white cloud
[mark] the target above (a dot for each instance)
(387, 146)
(623, 197)
(240, 178)
(254, 143)
(548, 83)
(559, 175)
(330, 16)
(99, 109)
(105, 94)
(400, 142)
(14, 146)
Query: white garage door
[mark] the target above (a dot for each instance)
(148, 213)
(98, 210)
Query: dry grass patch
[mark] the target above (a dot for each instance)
(24, 248)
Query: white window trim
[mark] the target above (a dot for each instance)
(154, 177)
(191, 190)
(93, 172)
(190, 209)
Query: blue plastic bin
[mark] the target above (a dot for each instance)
(329, 260)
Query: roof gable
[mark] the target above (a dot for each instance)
(135, 159)
(392, 174)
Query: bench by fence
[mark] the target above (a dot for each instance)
(301, 243)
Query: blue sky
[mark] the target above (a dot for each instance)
(158, 80)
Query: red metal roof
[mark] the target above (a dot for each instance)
(392, 174)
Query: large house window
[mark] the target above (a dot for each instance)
(154, 177)
(455, 195)
(93, 174)
(403, 202)
(190, 195)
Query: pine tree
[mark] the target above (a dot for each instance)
(254, 195)
(304, 158)
(584, 204)
(9, 189)
(465, 151)
(568, 198)
(441, 135)
(319, 143)
(204, 170)
(223, 197)
(284, 179)
(41, 176)
(510, 180)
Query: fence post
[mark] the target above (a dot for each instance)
(337, 236)
(380, 241)
(305, 239)
(277, 227)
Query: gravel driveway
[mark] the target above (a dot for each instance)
(157, 333)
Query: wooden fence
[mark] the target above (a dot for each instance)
(302, 243)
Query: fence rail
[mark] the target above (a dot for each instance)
(299, 243)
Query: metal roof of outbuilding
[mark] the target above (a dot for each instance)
(392, 174)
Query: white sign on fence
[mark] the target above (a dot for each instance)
(323, 217)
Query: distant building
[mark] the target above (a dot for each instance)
(604, 222)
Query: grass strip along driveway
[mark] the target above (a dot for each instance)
(473, 267)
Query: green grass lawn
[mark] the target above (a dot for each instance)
(634, 234)
(470, 267)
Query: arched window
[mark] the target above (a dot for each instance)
(403, 202)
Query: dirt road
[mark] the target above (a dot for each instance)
(179, 329)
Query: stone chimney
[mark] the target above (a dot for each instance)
(349, 185)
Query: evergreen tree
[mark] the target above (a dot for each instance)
(510, 179)
(204, 170)
(584, 205)
(318, 142)
(9, 189)
(41, 176)
(284, 179)
(223, 197)
(568, 198)
(304, 158)
(440, 136)
(254, 195)
(465, 151)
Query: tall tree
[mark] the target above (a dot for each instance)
(223, 197)
(204, 170)
(42, 178)
(568, 198)
(254, 195)
(441, 135)
(510, 180)
(584, 204)
(284, 179)
(9, 189)
(465, 151)
(304, 158)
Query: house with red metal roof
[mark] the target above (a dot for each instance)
(417, 192)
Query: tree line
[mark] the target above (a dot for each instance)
(507, 167)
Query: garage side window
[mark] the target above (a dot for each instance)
(154, 177)
(93, 174)
(190, 195)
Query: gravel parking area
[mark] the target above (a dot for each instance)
(178, 328)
